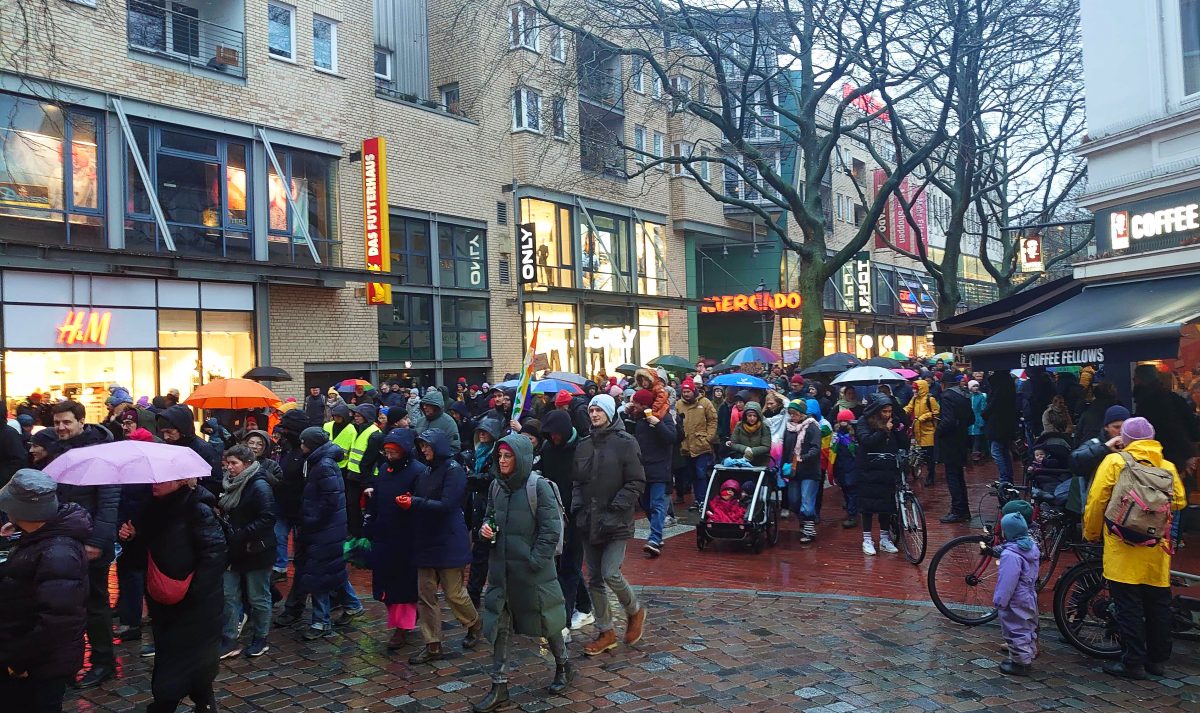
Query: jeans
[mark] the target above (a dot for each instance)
(99, 614)
(654, 502)
(320, 613)
(283, 528)
(131, 582)
(255, 586)
(604, 572)
(429, 612)
(570, 573)
(849, 493)
(33, 695)
(558, 646)
(1000, 454)
(346, 597)
(700, 468)
(802, 497)
(956, 483)
(1143, 622)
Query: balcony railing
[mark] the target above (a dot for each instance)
(603, 157)
(602, 88)
(180, 35)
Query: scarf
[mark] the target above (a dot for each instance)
(233, 486)
(799, 429)
(1024, 542)
(751, 429)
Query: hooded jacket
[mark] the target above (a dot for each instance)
(266, 464)
(730, 511)
(1129, 564)
(878, 471)
(43, 590)
(699, 422)
(759, 442)
(102, 502)
(220, 437)
(442, 421)
(441, 532)
(648, 379)
(1015, 596)
(322, 526)
(558, 461)
(180, 417)
(924, 412)
(609, 480)
(393, 532)
(522, 578)
(290, 490)
(657, 444)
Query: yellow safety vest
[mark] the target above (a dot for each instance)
(345, 439)
(360, 447)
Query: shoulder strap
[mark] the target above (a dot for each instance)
(531, 492)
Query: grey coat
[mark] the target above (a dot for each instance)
(609, 480)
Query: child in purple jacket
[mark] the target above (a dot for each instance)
(1016, 594)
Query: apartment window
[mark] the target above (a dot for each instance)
(1189, 28)
(281, 30)
(558, 44)
(637, 76)
(527, 110)
(639, 143)
(462, 257)
(451, 98)
(681, 150)
(559, 117)
(311, 180)
(172, 28)
(659, 145)
(523, 27)
(409, 239)
(656, 87)
(324, 43)
(682, 87)
(749, 188)
(702, 167)
(406, 328)
(383, 64)
(464, 328)
(702, 93)
(651, 248)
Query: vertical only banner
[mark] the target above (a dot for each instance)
(375, 217)
(526, 375)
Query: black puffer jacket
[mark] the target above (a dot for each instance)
(322, 531)
(656, 444)
(102, 502)
(558, 461)
(252, 540)
(180, 418)
(43, 587)
(1000, 414)
(609, 480)
(290, 490)
(878, 470)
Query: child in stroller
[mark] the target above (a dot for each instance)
(1049, 472)
(725, 506)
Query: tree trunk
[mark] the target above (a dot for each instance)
(812, 325)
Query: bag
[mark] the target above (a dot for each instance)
(1139, 511)
(164, 589)
(532, 498)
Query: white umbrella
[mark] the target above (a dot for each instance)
(868, 376)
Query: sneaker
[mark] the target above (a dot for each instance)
(257, 647)
(278, 575)
(580, 620)
(785, 513)
(147, 651)
(653, 549)
(313, 633)
(242, 623)
(868, 546)
(229, 649)
(566, 635)
(348, 616)
(670, 521)
(850, 521)
(885, 544)
(287, 619)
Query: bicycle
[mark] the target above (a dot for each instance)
(961, 576)
(918, 457)
(1085, 615)
(908, 524)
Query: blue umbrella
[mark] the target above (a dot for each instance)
(744, 381)
(553, 386)
(749, 354)
(510, 384)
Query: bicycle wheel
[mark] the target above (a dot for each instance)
(1050, 558)
(913, 537)
(962, 578)
(1083, 611)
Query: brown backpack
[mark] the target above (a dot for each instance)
(1139, 511)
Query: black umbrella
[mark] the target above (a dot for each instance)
(722, 368)
(884, 362)
(842, 360)
(267, 373)
(819, 369)
(628, 369)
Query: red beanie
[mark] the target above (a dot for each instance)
(141, 434)
(688, 383)
(845, 415)
(644, 398)
(797, 379)
(562, 398)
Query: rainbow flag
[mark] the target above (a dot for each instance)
(526, 375)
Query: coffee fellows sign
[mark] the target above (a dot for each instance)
(1063, 357)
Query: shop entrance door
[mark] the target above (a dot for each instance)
(82, 375)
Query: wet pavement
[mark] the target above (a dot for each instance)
(818, 627)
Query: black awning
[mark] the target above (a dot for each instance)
(977, 324)
(1113, 313)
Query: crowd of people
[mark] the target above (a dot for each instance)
(521, 520)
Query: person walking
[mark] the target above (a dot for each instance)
(361, 464)
(609, 481)
(1000, 421)
(1137, 567)
(656, 439)
(248, 505)
(953, 441)
(441, 549)
(43, 593)
(879, 441)
(185, 551)
(560, 439)
(523, 595)
(698, 420)
(802, 461)
(177, 426)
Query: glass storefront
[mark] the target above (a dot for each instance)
(556, 333)
(552, 235)
(605, 253)
(652, 334)
(610, 336)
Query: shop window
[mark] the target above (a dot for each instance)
(312, 179)
(406, 328)
(462, 257)
(610, 337)
(226, 343)
(464, 328)
(179, 369)
(651, 259)
(605, 244)
(409, 238)
(552, 235)
(177, 329)
(556, 333)
(49, 195)
(653, 341)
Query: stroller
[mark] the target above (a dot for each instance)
(1049, 481)
(763, 502)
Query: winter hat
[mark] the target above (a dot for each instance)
(128, 414)
(1016, 530)
(972, 384)
(314, 437)
(644, 398)
(46, 438)
(532, 426)
(486, 386)
(627, 394)
(141, 434)
(845, 415)
(1136, 429)
(1116, 412)
(798, 405)
(25, 420)
(120, 395)
(605, 403)
(615, 391)
(798, 380)
(290, 400)
(31, 495)
(562, 398)
(462, 379)
(1020, 507)
(731, 484)
(689, 384)
(143, 402)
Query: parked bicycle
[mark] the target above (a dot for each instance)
(920, 459)
(962, 573)
(908, 526)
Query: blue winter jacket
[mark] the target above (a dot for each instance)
(440, 540)
(322, 532)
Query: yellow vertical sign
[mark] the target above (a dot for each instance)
(375, 217)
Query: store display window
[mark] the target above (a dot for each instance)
(552, 235)
(557, 334)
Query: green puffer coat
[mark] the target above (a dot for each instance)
(521, 573)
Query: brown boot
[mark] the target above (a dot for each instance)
(431, 652)
(398, 641)
(471, 640)
(606, 641)
(634, 626)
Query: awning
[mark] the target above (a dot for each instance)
(982, 322)
(1125, 313)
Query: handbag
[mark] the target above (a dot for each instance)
(163, 589)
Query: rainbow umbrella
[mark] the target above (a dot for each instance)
(745, 355)
(349, 385)
(898, 356)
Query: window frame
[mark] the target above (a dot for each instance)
(456, 327)
(558, 44)
(520, 103)
(291, 10)
(1185, 54)
(387, 55)
(411, 327)
(656, 87)
(403, 265)
(285, 157)
(681, 84)
(639, 143)
(333, 43)
(659, 147)
(454, 258)
(677, 151)
(637, 75)
(447, 90)
(523, 31)
(558, 117)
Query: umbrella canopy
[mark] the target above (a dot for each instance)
(868, 375)
(885, 362)
(347, 386)
(127, 463)
(670, 362)
(906, 373)
(628, 369)
(745, 381)
(944, 356)
(898, 356)
(553, 386)
(746, 355)
(233, 394)
(566, 376)
(267, 373)
(823, 370)
(510, 384)
(721, 368)
(841, 360)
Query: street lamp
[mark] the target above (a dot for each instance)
(762, 302)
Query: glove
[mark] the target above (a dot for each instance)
(404, 501)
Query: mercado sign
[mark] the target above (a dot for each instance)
(375, 217)
(1063, 357)
(764, 302)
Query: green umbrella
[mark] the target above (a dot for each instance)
(672, 363)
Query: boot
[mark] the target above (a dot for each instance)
(850, 521)
(563, 673)
(606, 641)
(634, 626)
(431, 652)
(496, 700)
(1117, 668)
(471, 640)
(1012, 668)
(398, 641)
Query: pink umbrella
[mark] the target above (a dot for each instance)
(127, 463)
(906, 373)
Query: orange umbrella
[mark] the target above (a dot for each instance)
(233, 394)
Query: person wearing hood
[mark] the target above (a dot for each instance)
(1138, 574)
(13, 450)
(177, 427)
(559, 440)
(879, 440)
(218, 436)
(751, 439)
(850, 401)
(479, 483)
(392, 526)
(802, 466)
(289, 491)
(609, 481)
(341, 432)
(248, 505)
(332, 400)
(1015, 597)
(953, 438)
(185, 549)
(924, 412)
(361, 465)
(650, 380)
(43, 593)
(1000, 421)
(523, 595)
(432, 414)
(441, 549)
(656, 440)
(461, 413)
(978, 404)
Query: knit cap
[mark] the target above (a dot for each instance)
(1013, 526)
(1115, 413)
(798, 379)
(1136, 429)
(845, 415)
(605, 403)
(562, 398)
(644, 398)
(614, 391)
(798, 405)
(689, 384)
(30, 495)
(314, 437)
(1020, 507)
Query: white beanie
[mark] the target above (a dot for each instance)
(605, 403)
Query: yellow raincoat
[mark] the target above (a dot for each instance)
(924, 413)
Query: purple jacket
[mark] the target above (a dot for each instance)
(1016, 585)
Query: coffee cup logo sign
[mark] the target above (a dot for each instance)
(621, 338)
(527, 254)
(1125, 225)
(1063, 357)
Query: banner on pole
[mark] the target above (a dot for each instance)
(527, 369)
